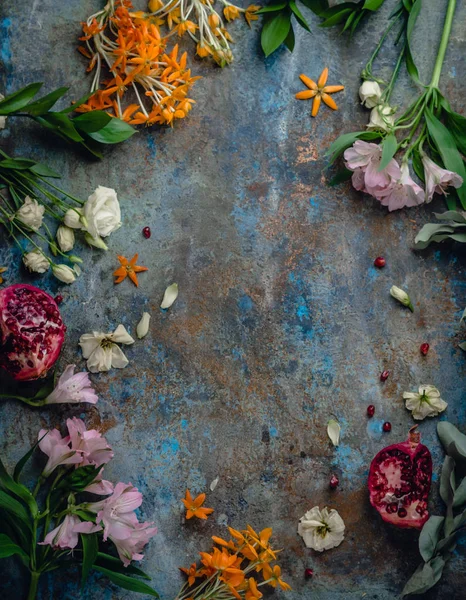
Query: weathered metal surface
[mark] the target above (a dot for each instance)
(281, 321)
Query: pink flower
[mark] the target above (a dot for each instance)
(438, 179)
(72, 388)
(403, 192)
(364, 158)
(93, 447)
(100, 486)
(58, 451)
(116, 512)
(66, 534)
(130, 548)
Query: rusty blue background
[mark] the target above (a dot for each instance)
(281, 322)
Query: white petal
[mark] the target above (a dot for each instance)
(89, 342)
(171, 294)
(121, 336)
(100, 360)
(333, 431)
(214, 484)
(119, 360)
(143, 326)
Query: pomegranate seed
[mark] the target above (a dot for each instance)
(334, 481)
(308, 573)
(370, 411)
(402, 512)
(387, 426)
(384, 375)
(424, 349)
(146, 232)
(58, 299)
(379, 262)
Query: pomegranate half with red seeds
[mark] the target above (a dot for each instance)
(399, 482)
(31, 332)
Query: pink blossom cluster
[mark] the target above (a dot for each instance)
(115, 515)
(393, 186)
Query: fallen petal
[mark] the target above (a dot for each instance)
(333, 431)
(171, 294)
(143, 326)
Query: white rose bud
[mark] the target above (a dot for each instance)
(102, 212)
(31, 213)
(65, 238)
(64, 273)
(97, 242)
(382, 118)
(73, 218)
(2, 119)
(36, 262)
(401, 296)
(370, 94)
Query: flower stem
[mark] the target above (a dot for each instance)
(443, 44)
(33, 585)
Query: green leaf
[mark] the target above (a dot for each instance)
(44, 171)
(446, 545)
(61, 124)
(15, 102)
(410, 64)
(15, 508)
(446, 489)
(349, 21)
(299, 17)
(317, 6)
(44, 104)
(462, 346)
(417, 165)
(389, 148)
(453, 441)
(356, 22)
(78, 102)
(460, 520)
(115, 564)
(90, 545)
(446, 146)
(272, 8)
(20, 464)
(425, 577)
(92, 121)
(430, 535)
(346, 140)
(275, 31)
(342, 175)
(372, 4)
(452, 215)
(9, 548)
(290, 40)
(126, 582)
(18, 489)
(114, 132)
(20, 164)
(79, 478)
(457, 126)
(425, 235)
(337, 18)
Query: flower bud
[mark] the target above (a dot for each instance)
(401, 296)
(370, 94)
(31, 213)
(75, 259)
(97, 242)
(73, 218)
(382, 118)
(65, 238)
(36, 262)
(64, 273)
(2, 119)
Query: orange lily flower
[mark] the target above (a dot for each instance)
(227, 564)
(90, 30)
(192, 573)
(221, 542)
(250, 13)
(253, 592)
(128, 269)
(230, 12)
(319, 91)
(275, 575)
(194, 506)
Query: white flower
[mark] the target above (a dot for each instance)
(426, 403)
(321, 529)
(143, 326)
(64, 273)
(102, 212)
(97, 242)
(65, 238)
(72, 388)
(382, 118)
(2, 119)
(101, 349)
(370, 94)
(401, 296)
(73, 218)
(31, 213)
(36, 261)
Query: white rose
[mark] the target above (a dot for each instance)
(2, 119)
(65, 238)
(73, 218)
(102, 212)
(36, 262)
(370, 94)
(382, 118)
(426, 403)
(64, 273)
(31, 213)
(321, 529)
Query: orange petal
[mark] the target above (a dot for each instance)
(120, 272)
(315, 106)
(323, 78)
(132, 275)
(138, 269)
(123, 260)
(134, 260)
(331, 89)
(306, 94)
(312, 85)
(199, 500)
(329, 101)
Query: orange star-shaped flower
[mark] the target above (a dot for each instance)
(194, 506)
(128, 268)
(319, 91)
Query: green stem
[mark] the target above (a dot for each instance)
(367, 71)
(443, 44)
(33, 585)
(23, 399)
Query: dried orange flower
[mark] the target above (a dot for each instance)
(2, 270)
(319, 91)
(128, 268)
(250, 14)
(194, 506)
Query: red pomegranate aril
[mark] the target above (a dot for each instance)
(387, 426)
(384, 375)
(379, 262)
(308, 573)
(146, 232)
(334, 482)
(402, 513)
(370, 411)
(424, 349)
(58, 299)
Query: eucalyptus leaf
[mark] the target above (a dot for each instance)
(126, 582)
(333, 431)
(18, 100)
(446, 488)
(460, 520)
(430, 535)
(452, 215)
(462, 345)
(447, 545)
(460, 494)
(425, 577)
(453, 441)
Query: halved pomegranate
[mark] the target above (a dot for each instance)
(399, 482)
(31, 332)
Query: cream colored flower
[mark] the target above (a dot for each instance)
(102, 212)
(97, 242)
(101, 349)
(382, 118)
(64, 273)
(321, 529)
(73, 218)
(370, 94)
(401, 296)
(31, 213)
(426, 403)
(36, 261)
(65, 238)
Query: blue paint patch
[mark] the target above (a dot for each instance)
(245, 303)
(273, 432)
(5, 49)
(170, 446)
(302, 311)
(152, 147)
(184, 424)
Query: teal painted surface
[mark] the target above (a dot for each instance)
(281, 320)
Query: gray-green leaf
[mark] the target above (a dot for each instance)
(430, 536)
(453, 441)
(425, 577)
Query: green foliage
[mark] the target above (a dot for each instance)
(126, 582)
(347, 139)
(349, 14)
(454, 228)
